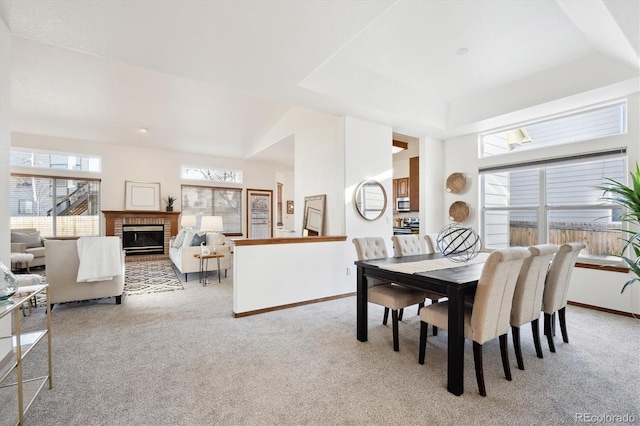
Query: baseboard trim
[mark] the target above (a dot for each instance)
(599, 308)
(291, 305)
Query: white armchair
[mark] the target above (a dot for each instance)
(62, 263)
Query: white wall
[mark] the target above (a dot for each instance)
(271, 275)
(461, 155)
(432, 186)
(288, 193)
(5, 171)
(319, 161)
(122, 163)
(315, 270)
(367, 156)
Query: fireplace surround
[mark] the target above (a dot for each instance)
(115, 219)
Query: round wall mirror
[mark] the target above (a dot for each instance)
(370, 199)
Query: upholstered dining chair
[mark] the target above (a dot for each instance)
(527, 297)
(556, 287)
(391, 296)
(407, 245)
(432, 243)
(488, 317)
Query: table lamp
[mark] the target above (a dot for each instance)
(212, 224)
(188, 221)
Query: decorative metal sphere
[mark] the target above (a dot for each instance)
(459, 243)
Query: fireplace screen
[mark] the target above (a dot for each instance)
(143, 239)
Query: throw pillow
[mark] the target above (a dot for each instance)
(199, 238)
(31, 239)
(177, 242)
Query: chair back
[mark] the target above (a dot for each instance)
(494, 295)
(527, 297)
(559, 276)
(370, 248)
(406, 245)
(432, 243)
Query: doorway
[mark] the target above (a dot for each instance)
(259, 213)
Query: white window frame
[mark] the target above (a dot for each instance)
(543, 210)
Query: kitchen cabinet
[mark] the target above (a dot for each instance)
(414, 184)
(400, 189)
(403, 187)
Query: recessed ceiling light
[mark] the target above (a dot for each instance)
(143, 130)
(462, 51)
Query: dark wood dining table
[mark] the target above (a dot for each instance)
(455, 282)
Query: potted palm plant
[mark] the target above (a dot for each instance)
(169, 201)
(629, 198)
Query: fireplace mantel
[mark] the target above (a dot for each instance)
(111, 215)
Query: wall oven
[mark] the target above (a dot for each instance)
(402, 204)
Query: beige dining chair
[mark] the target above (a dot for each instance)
(432, 243)
(391, 296)
(527, 297)
(556, 287)
(408, 245)
(488, 317)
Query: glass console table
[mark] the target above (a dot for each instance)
(21, 393)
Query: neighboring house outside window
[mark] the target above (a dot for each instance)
(555, 200)
(56, 206)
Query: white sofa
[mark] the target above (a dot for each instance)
(181, 252)
(62, 263)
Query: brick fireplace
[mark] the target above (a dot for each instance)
(114, 219)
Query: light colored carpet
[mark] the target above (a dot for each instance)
(180, 358)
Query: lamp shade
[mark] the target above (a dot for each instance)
(188, 220)
(211, 224)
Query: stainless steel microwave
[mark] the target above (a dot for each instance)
(402, 204)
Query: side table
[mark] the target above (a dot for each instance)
(204, 265)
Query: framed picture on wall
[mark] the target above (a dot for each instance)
(289, 206)
(141, 195)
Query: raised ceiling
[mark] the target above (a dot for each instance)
(212, 77)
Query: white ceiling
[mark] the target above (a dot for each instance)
(212, 77)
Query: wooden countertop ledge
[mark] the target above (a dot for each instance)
(288, 240)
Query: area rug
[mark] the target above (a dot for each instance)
(152, 276)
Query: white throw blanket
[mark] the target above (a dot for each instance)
(100, 258)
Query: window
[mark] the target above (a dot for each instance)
(213, 175)
(594, 123)
(55, 206)
(555, 202)
(54, 160)
(210, 201)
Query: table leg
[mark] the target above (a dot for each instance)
(361, 306)
(455, 364)
(219, 270)
(204, 274)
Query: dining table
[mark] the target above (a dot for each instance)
(433, 272)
